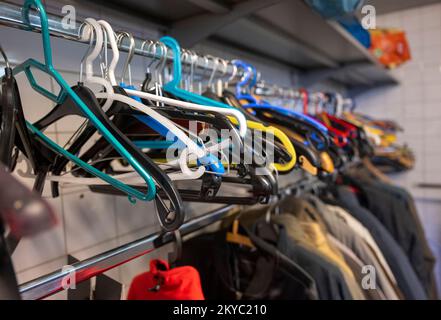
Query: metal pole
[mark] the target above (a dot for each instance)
(51, 283)
(10, 15)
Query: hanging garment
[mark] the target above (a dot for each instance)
(310, 236)
(406, 277)
(163, 283)
(315, 233)
(329, 279)
(373, 171)
(356, 266)
(340, 230)
(395, 209)
(229, 271)
(360, 230)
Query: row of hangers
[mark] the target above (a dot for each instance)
(153, 138)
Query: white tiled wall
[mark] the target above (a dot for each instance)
(89, 223)
(416, 104)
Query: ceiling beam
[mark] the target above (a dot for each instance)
(192, 30)
(212, 6)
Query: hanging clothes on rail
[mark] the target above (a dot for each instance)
(399, 263)
(396, 210)
(266, 271)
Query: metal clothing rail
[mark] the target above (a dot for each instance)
(83, 270)
(11, 16)
(52, 283)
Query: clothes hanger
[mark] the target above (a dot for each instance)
(111, 73)
(309, 159)
(15, 132)
(263, 109)
(192, 106)
(173, 85)
(65, 92)
(263, 183)
(232, 112)
(176, 255)
(255, 105)
(281, 155)
(155, 120)
(237, 114)
(288, 155)
(110, 95)
(235, 237)
(170, 217)
(7, 124)
(263, 191)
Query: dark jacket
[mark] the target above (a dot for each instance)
(406, 277)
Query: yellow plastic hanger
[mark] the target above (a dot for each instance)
(281, 136)
(305, 164)
(326, 162)
(235, 237)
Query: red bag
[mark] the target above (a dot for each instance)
(163, 283)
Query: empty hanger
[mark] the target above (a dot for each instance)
(65, 91)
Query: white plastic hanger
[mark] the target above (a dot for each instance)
(111, 96)
(172, 102)
(111, 73)
(131, 178)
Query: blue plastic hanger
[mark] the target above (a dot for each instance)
(213, 163)
(66, 91)
(173, 85)
(242, 94)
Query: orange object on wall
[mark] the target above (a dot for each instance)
(390, 46)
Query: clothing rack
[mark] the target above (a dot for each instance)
(46, 285)
(52, 283)
(274, 91)
(11, 16)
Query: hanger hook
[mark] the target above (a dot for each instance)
(225, 67)
(215, 67)
(177, 254)
(206, 63)
(159, 57)
(224, 63)
(184, 57)
(153, 52)
(104, 65)
(5, 57)
(161, 65)
(205, 69)
(83, 35)
(193, 59)
(119, 38)
(233, 74)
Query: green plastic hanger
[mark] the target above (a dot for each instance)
(66, 91)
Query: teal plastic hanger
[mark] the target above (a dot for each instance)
(66, 91)
(173, 85)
